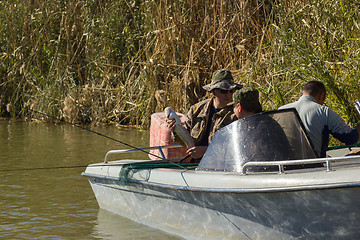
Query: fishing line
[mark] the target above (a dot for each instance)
(41, 168)
(81, 166)
(234, 225)
(58, 167)
(100, 134)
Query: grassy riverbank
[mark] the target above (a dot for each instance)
(119, 61)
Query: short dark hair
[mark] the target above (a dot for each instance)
(314, 88)
(252, 107)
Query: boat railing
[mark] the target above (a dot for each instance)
(281, 164)
(160, 148)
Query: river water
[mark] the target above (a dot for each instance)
(42, 192)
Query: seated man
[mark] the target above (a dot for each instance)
(320, 121)
(273, 144)
(208, 116)
(246, 102)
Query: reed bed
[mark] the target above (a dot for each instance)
(117, 62)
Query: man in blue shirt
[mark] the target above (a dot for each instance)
(320, 121)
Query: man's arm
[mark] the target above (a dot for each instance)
(340, 130)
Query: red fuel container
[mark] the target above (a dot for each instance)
(161, 135)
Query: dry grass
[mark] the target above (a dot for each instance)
(119, 61)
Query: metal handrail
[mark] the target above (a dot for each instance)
(139, 149)
(281, 164)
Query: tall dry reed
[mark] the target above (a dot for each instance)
(119, 61)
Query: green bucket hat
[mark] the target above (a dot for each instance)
(222, 79)
(245, 95)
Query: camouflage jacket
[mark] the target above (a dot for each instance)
(198, 119)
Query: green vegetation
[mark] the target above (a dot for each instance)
(118, 61)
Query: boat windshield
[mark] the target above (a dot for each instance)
(267, 136)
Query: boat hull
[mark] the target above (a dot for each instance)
(320, 213)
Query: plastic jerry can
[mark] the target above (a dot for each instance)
(161, 135)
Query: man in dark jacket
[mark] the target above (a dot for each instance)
(208, 116)
(265, 139)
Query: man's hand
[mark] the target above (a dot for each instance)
(171, 124)
(197, 151)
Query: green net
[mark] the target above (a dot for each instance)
(344, 146)
(128, 170)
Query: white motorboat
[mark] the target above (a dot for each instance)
(259, 179)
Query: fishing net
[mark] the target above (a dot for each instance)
(128, 170)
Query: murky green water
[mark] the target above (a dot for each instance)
(58, 203)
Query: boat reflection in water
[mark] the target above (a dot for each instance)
(107, 227)
(259, 179)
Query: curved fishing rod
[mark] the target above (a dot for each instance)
(82, 166)
(100, 134)
(41, 168)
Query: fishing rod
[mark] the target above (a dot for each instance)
(41, 168)
(100, 134)
(92, 131)
(152, 164)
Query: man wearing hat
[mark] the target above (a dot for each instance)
(246, 102)
(273, 143)
(208, 116)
